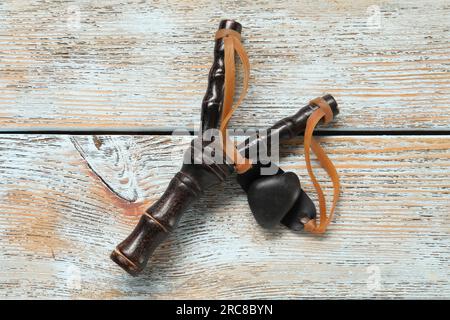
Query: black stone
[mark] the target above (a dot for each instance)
(271, 197)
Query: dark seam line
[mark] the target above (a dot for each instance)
(320, 132)
(382, 133)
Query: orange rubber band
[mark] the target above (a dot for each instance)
(323, 113)
(232, 44)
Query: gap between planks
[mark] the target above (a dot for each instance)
(187, 132)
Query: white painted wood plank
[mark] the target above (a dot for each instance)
(59, 222)
(143, 65)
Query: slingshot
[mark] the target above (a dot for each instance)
(273, 199)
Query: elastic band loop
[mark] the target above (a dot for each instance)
(221, 33)
(323, 104)
(232, 44)
(324, 112)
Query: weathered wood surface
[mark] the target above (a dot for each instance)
(59, 221)
(143, 65)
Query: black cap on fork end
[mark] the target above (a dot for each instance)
(230, 24)
(332, 103)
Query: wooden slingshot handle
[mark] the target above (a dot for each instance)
(163, 216)
(187, 186)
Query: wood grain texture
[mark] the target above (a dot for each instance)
(143, 65)
(66, 201)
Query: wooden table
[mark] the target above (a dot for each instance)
(90, 93)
